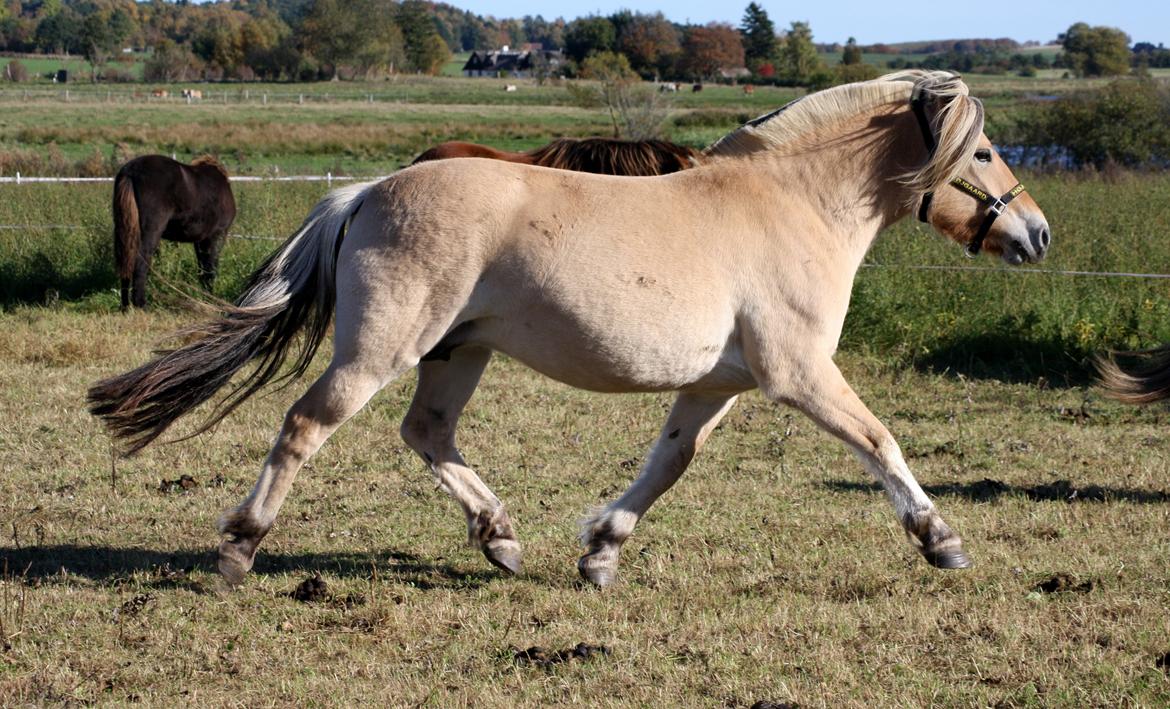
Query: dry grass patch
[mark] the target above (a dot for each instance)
(773, 571)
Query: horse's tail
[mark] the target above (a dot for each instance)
(292, 292)
(1147, 383)
(127, 233)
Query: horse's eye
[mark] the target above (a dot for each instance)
(983, 155)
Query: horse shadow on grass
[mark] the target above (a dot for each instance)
(1009, 358)
(989, 490)
(148, 568)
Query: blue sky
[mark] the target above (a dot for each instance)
(871, 22)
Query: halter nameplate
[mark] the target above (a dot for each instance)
(995, 205)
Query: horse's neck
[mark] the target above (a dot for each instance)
(849, 184)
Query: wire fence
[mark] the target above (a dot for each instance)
(200, 96)
(328, 178)
(868, 264)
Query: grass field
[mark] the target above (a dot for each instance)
(773, 571)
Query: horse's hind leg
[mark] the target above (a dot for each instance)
(340, 393)
(444, 388)
(207, 254)
(822, 393)
(691, 420)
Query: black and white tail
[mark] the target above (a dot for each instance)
(292, 292)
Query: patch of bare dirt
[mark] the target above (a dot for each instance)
(1065, 583)
(539, 657)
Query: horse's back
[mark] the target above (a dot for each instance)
(600, 282)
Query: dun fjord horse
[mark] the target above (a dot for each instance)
(157, 198)
(712, 281)
(605, 156)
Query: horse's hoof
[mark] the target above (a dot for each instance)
(235, 560)
(954, 558)
(505, 554)
(595, 571)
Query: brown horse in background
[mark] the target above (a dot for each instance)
(605, 156)
(158, 198)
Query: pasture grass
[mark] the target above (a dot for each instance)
(773, 571)
(1000, 322)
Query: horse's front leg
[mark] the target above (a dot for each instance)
(818, 389)
(207, 254)
(691, 420)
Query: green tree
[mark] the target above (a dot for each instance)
(330, 32)
(799, 62)
(426, 51)
(759, 36)
(586, 35)
(171, 62)
(1096, 51)
(99, 38)
(852, 54)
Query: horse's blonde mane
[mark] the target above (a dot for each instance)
(212, 161)
(957, 120)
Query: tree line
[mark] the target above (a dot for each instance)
(326, 39)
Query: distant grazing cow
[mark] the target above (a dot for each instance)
(510, 87)
(748, 89)
(696, 88)
(159, 93)
(190, 94)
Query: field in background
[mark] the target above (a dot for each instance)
(773, 571)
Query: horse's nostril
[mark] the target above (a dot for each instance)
(1045, 238)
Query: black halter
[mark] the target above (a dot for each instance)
(995, 205)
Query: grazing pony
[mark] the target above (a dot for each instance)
(605, 156)
(709, 282)
(157, 198)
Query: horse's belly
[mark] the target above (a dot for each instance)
(633, 356)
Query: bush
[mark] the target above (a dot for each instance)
(1126, 123)
(15, 71)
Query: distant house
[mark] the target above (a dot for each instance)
(518, 64)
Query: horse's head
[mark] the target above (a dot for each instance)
(966, 191)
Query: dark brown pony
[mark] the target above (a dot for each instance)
(606, 156)
(1146, 382)
(157, 198)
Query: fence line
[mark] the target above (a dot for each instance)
(330, 178)
(868, 264)
(1016, 271)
